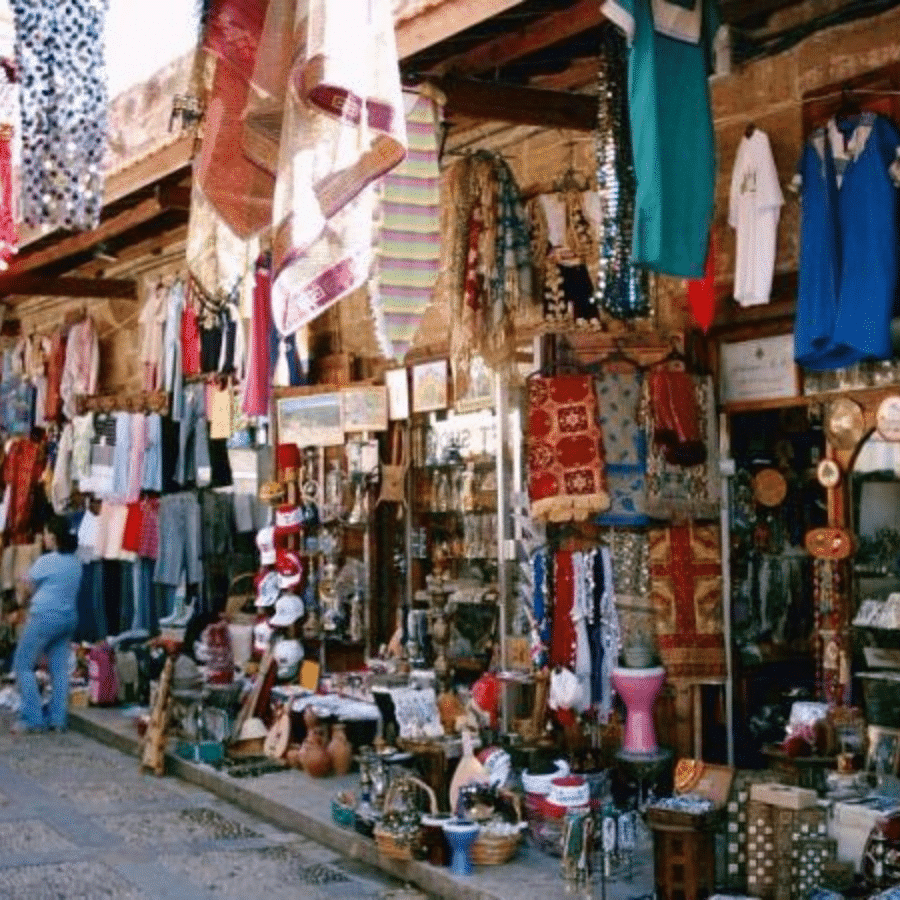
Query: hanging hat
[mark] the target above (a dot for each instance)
(287, 456)
(288, 609)
(265, 542)
(290, 570)
(267, 589)
(288, 520)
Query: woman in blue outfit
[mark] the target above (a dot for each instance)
(52, 582)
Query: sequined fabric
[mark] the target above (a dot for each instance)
(622, 290)
(60, 57)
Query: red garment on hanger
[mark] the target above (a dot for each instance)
(562, 637)
(21, 472)
(702, 291)
(259, 363)
(56, 359)
(676, 418)
(190, 342)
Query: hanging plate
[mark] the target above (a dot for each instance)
(844, 424)
(769, 487)
(887, 419)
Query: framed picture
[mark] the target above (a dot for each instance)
(883, 752)
(365, 408)
(429, 386)
(310, 420)
(480, 394)
(759, 369)
(397, 382)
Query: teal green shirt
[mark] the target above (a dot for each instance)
(672, 137)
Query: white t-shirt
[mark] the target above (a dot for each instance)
(754, 207)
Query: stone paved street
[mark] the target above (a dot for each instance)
(78, 821)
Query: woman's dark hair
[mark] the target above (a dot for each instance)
(59, 527)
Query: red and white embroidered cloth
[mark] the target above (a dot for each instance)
(566, 478)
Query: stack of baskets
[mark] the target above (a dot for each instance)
(398, 835)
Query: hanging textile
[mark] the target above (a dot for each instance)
(60, 58)
(702, 291)
(686, 591)
(625, 446)
(409, 233)
(343, 128)
(20, 473)
(630, 558)
(622, 289)
(684, 492)
(566, 481)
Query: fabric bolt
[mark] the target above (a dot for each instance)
(684, 492)
(173, 377)
(151, 467)
(56, 360)
(59, 52)
(21, 471)
(672, 138)
(190, 341)
(625, 447)
(82, 363)
(343, 129)
(193, 465)
(849, 230)
(408, 243)
(152, 321)
(754, 209)
(566, 479)
(686, 591)
(61, 485)
(179, 545)
(255, 401)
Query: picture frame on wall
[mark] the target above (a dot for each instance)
(365, 408)
(429, 386)
(759, 369)
(883, 754)
(397, 383)
(480, 392)
(310, 420)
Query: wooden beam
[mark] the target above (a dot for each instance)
(552, 29)
(443, 20)
(36, 286)
(499, 102)
(580, 73)
(84, 241)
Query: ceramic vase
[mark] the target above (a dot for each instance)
(340, 750)
(316, 760)
(460, 837)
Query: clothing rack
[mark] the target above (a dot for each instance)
(123, 401)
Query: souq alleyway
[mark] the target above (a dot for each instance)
(78, 821)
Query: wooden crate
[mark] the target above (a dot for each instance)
(685, 862)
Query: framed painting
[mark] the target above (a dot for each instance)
(429, 386)
(365, 408)
(310, 420)
(883, 753)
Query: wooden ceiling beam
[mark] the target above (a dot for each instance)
(494, 101)
(506, 48)
(36, 286)
(580, 73)
(444, 20)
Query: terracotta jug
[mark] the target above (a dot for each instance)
(315, 758)
(340, 749)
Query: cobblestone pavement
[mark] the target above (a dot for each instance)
(78, 821)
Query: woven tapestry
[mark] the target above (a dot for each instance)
(686, 590)
(566, 480)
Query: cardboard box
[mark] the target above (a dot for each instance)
(784, 796)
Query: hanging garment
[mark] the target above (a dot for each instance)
(566, 479)
(849, 234)
(152, 321)
(259, 363)
(684, 492)
(754, 208)
(60, 58)
(630, 560)
(173, 376)
(625, 446)
(61, 486)
(672, 136)
(82, 436)
(686, 590)
(56, 360)
(21, 471)
(676, 423)
(190, 341)
(408, 241)
(9, 234)
(103, 450)
(343, 129)
(562, 637)
(79, 374)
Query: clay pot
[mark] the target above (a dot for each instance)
(340, 749)
(314, 755)
(310, 719)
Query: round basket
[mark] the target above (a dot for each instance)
(385, 839)
(494, 849)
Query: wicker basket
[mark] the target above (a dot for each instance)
(494, 850)
(387, 842)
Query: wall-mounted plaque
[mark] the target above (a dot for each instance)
(759, 369)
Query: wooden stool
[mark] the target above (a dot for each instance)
(685, 861)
